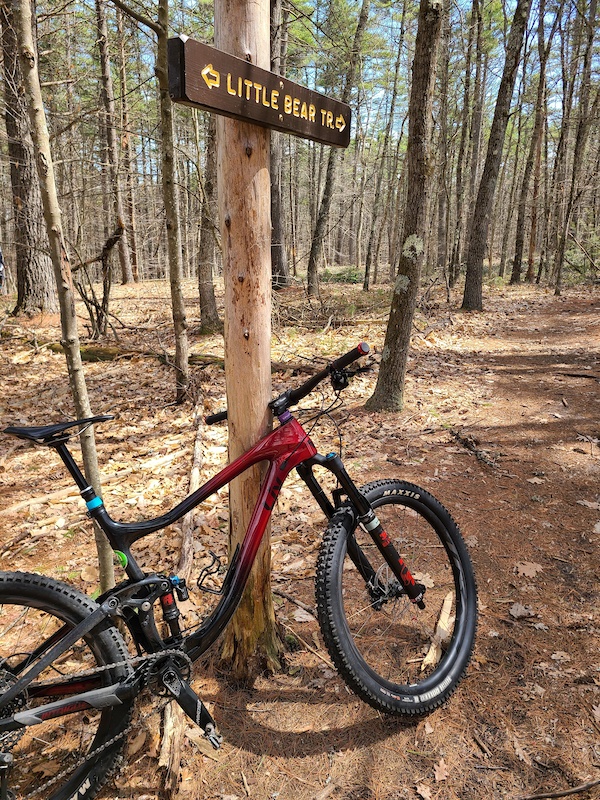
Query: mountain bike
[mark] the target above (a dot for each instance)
(396, 604)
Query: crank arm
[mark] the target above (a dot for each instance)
(191, 704)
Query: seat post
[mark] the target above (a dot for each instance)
(69, 462)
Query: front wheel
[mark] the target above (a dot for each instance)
(397, 657)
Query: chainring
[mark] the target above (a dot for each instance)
(179, 660)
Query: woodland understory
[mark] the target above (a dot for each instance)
(500, 423)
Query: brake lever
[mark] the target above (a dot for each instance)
(341, 378)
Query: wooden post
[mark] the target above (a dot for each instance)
(242, 29)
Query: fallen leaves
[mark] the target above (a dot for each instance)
(519, 611)
(441, 771)
(520, 752)
(528, 569)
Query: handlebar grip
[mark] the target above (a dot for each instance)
(295, 395)
(211, 419)
(363, 349)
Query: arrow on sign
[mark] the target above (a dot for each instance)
(211, 77)
(340, 123)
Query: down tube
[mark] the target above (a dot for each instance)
(239, 570)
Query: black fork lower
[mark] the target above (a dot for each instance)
(367, 519)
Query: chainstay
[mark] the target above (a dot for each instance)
(150, 658)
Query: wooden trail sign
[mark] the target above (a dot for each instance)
(206, 78)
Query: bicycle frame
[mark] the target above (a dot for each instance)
(285, 448)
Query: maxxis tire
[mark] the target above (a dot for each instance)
(394, 639)
(48, 598)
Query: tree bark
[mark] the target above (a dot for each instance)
(209, 316)
(389, 391)
(112, 144)
(243, 155)
(60, 263)
(36, 289)
(171, 201)
(325, 206)
(473, 294)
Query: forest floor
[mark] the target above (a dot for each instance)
(501, 423)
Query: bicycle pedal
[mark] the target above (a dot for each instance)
(191, 704)
(213, 736)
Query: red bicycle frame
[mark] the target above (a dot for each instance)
(284, 448)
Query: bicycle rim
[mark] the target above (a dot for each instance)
(396, 656)
(52, 759)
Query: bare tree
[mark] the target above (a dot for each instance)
(112, 145)
(60, 263)
(170, 193)
(389, 391)
(536, 138)
(209, 316)
(36, 290)
(325, 206)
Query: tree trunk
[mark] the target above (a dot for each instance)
(131, 225)
(209, 316)
(323, 215)
(585, 116)
(36, 289)
(171, 201)
(244, 207)
(389, 391)
(535, 145)
(443, 188)
(473, 294)
(60, 263)
(279, 259)
(381, 170)
(112, 145)
(458, 240)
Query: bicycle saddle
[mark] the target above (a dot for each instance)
(50, 434)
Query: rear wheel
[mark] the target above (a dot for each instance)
(50, 757)
(397, 657)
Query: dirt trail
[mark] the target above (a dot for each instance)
(501, 423)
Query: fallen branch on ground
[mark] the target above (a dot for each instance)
(470, 445)
(564, 793)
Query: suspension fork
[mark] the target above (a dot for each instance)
(367, 519)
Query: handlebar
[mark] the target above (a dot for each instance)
(293, 396)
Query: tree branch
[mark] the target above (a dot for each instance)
(143, 20)
(564, 793)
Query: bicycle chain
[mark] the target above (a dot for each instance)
(150, 658)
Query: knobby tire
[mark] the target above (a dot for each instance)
(32, 607)
(395, 656)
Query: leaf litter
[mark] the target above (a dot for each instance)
(526, 718)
